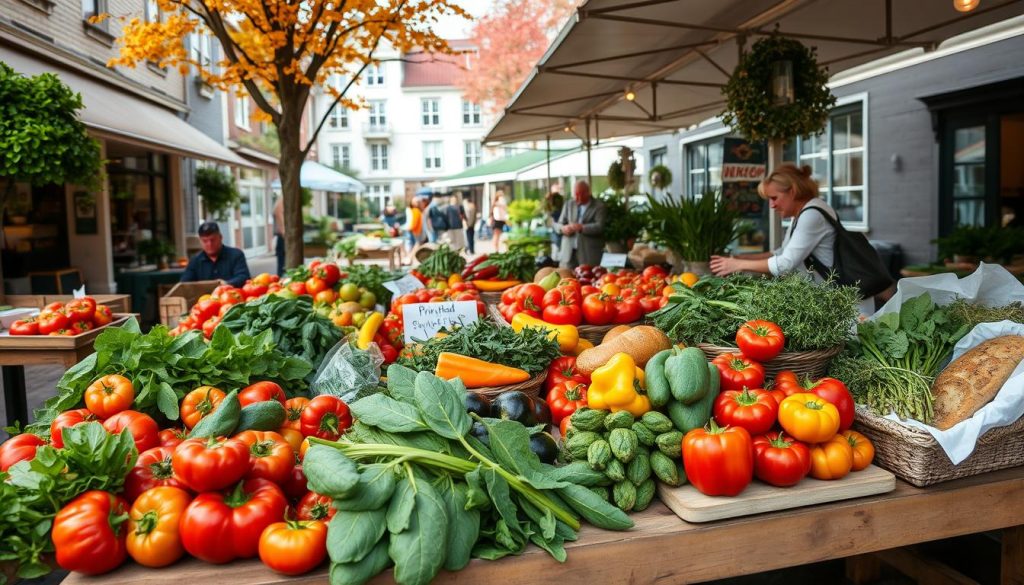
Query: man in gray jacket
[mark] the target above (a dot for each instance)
(582, 225)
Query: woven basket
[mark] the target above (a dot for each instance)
(530, 387)
(916, 457)
(491, 298)
(813, 364)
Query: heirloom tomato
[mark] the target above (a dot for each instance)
(835, 393)
(863, 450)
(152, 469)
(831, 459)
(780, 459)
(144, 429)
(210, 464)
(737, 372)
(65, 420)
(754, 410)
(314, 506)
(89, 533)
(294, 547)
(760, 340)
(19, 448)
(809, 418)
(154, 537)
(28, 326)
(199, 403)
(220, 527)
(261, 391)
(109, 395)
(270, 456)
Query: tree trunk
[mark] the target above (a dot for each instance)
(289, 166)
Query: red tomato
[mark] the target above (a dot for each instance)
(79, 327)
(719, 462)
(329, 273)
(389, 353)
(314, 506)
(326, 417)
(203, 310)
(52, 321)
(654, 271)
(232, 296)
(738, 372)
(261, 391)
(28, 326)
(562, 369)
(152, 469)
(650, 304)
(565, 398)
(210, 325)
(102, 316)
(253, 290)
(296, 486)
(293, 412)
(760, 340)
(563, 313)
(66, 420)
(144, 429)
(836, 393)
(598, 309)
(571, 283)
(563, 427)
(780, 459)
(587, 290)
(270, 456)
(109, 395)
(508, 296)
(627, 310)
(172, 437)
(210, 464)
(755, 410)
(220, 527)
(80, 309)
(314, 285)
(788, 382)
(19, 448)
(88, 533)
(294, 548)
(530, 297)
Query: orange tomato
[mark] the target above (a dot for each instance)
(153, 536)
(326, 296)
(293, 413)
(832, 459)
(109, 395)
(199, 403)
(292, 437)
(294, 547)
(863, 450)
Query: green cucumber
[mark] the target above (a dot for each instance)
(654, 375)
(687, 373)
(222, 421)
(267, 415)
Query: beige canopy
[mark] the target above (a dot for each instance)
(675, 56)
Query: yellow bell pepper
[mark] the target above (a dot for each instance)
(618, 385)
(567, 336)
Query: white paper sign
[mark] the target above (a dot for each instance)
(406, 284)
(423, 320)
(613, 260)
(79, 293)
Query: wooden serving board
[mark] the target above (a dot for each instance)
(53, 342)
(693, 506)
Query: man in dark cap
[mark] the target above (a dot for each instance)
(216, 261)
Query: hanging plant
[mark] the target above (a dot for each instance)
(616, 176)
(750, 110)
(217, 189)
(660, 177)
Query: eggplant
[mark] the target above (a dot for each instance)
(479, 431)
(515, 406)
(541, 411)
(477, 404)
(545, 447)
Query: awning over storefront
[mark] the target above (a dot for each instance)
(321, 178)
(122, 116)
(574, 164)
(502, 169)
(674, 56)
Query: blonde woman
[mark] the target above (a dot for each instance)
(499, 217)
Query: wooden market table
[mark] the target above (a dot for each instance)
(18, 351)
(663, 550)
(392, 253)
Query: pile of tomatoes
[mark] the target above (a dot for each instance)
(618, 297)
(206, 314)
(795, 429)
(217, 499)
(71, 318)
(393, 327)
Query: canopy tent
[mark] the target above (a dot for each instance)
(318, 177)
(574, 163)
(499, 170)
(674, 56)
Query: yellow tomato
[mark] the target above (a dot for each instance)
(809, 418)
(688, 278)
(204, 298)
(611, 289)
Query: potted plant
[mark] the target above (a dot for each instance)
(622, 225)
(693, 229)
(218, 191)
(964, 245)
(156, 251)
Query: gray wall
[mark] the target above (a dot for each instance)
(673, 158)
(903, 206)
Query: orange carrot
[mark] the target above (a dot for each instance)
(477, 373)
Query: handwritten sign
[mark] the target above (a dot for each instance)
(613, 260)
(423, 320)
(406, 284)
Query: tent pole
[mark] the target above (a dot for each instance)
(774, 219)
(590, 178)
(548, 161)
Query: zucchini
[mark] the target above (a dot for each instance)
(267, 415)
(688, 376)
(222, 421)
(657, 384)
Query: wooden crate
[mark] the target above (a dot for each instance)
(177, 301)
(117, 303)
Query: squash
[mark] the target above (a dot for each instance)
(641, 342)
(615, 332)
(542, 273)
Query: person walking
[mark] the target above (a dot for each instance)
(469, 212)
(413, 227)
(499, 217)
(455, 216)
(553, 204)
(582, 224)
(436, 221)
(279, 234)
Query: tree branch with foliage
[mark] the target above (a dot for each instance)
(277, 52)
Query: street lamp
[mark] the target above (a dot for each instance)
(965, 5)
(782, 82)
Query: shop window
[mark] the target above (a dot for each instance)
(704, 166)
(472, 148)
(379, 157)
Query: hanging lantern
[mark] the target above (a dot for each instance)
(783, 93)
(965, 5)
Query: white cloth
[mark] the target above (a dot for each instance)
(812, 234)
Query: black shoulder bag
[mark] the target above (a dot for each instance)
(857, 263)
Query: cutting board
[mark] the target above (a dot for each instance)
(693, 506)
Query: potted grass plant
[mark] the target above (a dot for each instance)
(693, 229)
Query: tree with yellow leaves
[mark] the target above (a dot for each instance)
(277, 51)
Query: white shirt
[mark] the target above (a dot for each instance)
(812, 235)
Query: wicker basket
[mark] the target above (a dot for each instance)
(491, 298)
(813, 364)
(915, 456)
(531, 387)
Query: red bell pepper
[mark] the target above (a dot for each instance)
(719, 461)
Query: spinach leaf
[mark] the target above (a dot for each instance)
(363, 570)
(400, 511)
(498, 491)
(417, 552)
(402, 383)
(594, 509)
(376, 485)
(329, 472)
(352, 535)
(388, 414)
(442, 408)
(510, 444)
(463, 529)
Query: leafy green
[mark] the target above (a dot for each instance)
(531, 349)
(453, 498)
(296, 329)
(32, 492)
(442, 262)
(161, 365)
(514, 264)
(895, 358)
(372, 278)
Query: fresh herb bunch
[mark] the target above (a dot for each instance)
(415, 489)
(32, 492)
(297, 329)
(512, 265)
(812, 315)
(531, 349)
(693, 228)
(895, 358)
(163, 368)
(372, 278)
(442, 263)
(966, 313)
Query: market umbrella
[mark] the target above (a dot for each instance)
(318, 177)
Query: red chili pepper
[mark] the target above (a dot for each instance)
(485, 273)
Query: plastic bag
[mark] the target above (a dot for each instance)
(348, 372)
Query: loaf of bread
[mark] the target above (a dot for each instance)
(973, 379)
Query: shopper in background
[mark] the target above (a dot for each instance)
(582, 225)
(216, 261)
(279, 234)
(469, 212)
(436, 220)
(455, 217)
(553, 204)
(413, 227)
(499, 217)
